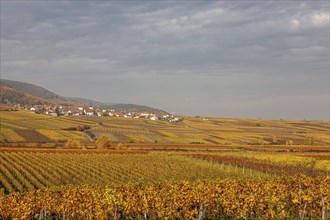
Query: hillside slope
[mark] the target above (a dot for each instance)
(10, 95)
(120, 106)
(20, 126)
(36, 91)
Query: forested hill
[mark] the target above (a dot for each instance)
(36, 91)
(10, 95)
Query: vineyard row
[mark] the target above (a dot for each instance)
(24, 171)
(286, 198)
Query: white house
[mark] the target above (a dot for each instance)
(89, 112)
(54, 114)
(75, 113)
(153, 118)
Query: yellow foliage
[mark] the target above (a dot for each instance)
(73, 144)
(102, 142)
(8, 135)
(285, 198)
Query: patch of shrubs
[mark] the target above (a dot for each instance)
(78, 128)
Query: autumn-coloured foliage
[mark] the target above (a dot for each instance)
(262, 161)
(213, 131)
(287, 197)
(73, 144)
(102, 143)
(30, 169)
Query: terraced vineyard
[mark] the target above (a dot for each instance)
(214, 131)
(192, 130)
(24, 126)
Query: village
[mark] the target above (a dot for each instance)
(59, 110)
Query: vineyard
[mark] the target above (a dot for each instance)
(284, 198)
(23, 171)
(39, 183)
(278, 163)
(200, 168)
(24, 126)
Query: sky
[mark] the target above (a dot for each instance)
(230, 59)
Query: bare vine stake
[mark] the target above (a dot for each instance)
(299, 192)
(323, 208)
(201, 212)
(115, 217)
(303, 212)
(251, 194)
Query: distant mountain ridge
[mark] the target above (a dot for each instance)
(13, 92)
(135, 108)
(88, 101)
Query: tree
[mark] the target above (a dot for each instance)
(289, 142)
(261, 141)
(309, 140)
(57, 110)
(102, 142)
(312, 140)
(275, 141)
(120, 146)
(73, 144)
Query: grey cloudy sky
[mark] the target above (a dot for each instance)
(247, 59)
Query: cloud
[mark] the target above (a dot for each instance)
(177, 52)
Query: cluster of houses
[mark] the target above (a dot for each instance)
(91, 111)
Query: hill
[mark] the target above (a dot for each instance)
(13, 92)
(120, 106)
(10, 95)
(36, 91)
(86, 101)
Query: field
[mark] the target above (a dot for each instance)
(200, 168)
(24, 126)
